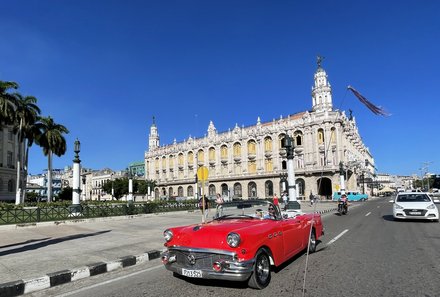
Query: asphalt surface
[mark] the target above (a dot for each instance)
(46, 254)
(364, 253)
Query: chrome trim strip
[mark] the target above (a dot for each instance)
(202, 250)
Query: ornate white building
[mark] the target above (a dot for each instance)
(250, 162)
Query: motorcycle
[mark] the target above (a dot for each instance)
(342, 207)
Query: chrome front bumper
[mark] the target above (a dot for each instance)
(213, 264)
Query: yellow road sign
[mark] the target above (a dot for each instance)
(202, 174)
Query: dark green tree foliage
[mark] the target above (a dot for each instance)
(120, 187)
(65, 194)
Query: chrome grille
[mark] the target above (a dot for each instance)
(202, 260)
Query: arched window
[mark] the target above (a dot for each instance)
(180, 191)
(333, 135)
(200, 156)
(10, 185)
(171, 161)
(268, 189)
(225, 190)
(237, 149)
(267, 144)
(170, 192)
(190, 191)
(320, 136)
(211, 154)
(252, 147)
(211, 190)
(156, 164)
(164, 163)
(281, 140)
(252, 190)
(180, 159)
(237, 190)
(1, 184)
(300, 186)
(224, 152)
(298, 136)
(190, 158)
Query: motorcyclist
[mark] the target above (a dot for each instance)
(344, 201)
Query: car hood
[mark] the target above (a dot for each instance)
(213, 234)
(414, 205)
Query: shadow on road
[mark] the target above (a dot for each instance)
(48, 242)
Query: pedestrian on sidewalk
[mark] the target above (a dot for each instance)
(311, 198)
(275, 200)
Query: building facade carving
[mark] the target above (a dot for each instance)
(250, 162)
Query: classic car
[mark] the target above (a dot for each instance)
(242, 242)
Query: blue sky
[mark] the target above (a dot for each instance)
(105, 68)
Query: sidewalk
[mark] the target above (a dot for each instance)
(38, 256)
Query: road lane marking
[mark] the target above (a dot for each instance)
(368, 214)
(337, 237)
(109, 281)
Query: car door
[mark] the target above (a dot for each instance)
(293, 237)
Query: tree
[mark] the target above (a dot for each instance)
(7, 102)
(65, 194)
(52, 141)
(26, 115)
(120, 187)
(142, 186)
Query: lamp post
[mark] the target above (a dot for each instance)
(341, 176)
(83, 190)
(113, 190)
(75, 208)
(293, 203)
(130, 187)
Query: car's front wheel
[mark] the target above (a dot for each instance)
(260, 277)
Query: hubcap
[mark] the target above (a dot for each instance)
(262, 268)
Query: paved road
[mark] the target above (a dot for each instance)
(28, 253)
(365, 253)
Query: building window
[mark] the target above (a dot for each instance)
(190, 191)
(224, 152)
(268, 188)
(201, 156)
(180, 191)
(268, 165)
(10, 185)
(190, 158)
(333, 135)
(1, 184)
(267, 144)
(237, 150)
(10, 159)
(211, 190)
(252, 190)
(225, 190)
(237, 190)
(252, 166)
(320, 136)
(156, 164)
(170, 192)
(252, 147)
(298, 138)
(301, 186)
(180, 159)
(211, 154)
(164, 163)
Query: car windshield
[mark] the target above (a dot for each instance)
(413, 198)
(254, 209)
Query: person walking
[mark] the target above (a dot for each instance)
(311, 198)
(275, 200)
(285, 199)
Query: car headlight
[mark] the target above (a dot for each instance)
(168, 234)
(397, 206)
(233, 239)
(432, 206)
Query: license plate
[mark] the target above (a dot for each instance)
(415, 213)
(191, 273)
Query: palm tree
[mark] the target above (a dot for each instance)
(26, 116)
(53, 142)
(7, 102)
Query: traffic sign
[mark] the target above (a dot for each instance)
(202, 174)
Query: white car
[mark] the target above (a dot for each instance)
(415, 205)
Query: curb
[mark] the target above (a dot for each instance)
(20, 287)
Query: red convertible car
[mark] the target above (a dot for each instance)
(241, 243)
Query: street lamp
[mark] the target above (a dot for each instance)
(130, 187)
(288, 144)
(341, 176)
(75, 208)
(113, 190)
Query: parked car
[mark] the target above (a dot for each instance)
(351, 195)
(415, 205)
(241, 243)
